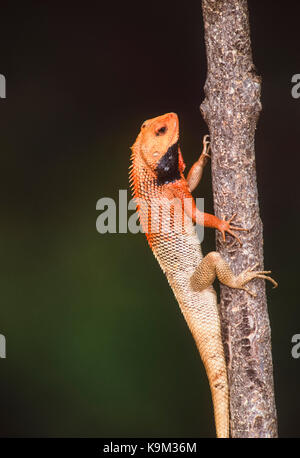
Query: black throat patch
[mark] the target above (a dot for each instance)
(167, 169)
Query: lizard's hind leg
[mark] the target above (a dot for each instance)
(214, 265)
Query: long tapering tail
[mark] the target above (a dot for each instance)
(205, 327)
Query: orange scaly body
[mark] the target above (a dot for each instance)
(167, 213)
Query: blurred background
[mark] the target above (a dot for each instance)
(96, 344)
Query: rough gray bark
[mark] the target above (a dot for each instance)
(231, 109)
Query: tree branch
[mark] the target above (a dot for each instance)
(231, 109)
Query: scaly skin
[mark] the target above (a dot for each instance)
(167, 213)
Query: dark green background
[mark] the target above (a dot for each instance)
(96, 344)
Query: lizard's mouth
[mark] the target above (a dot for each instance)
(173, 125)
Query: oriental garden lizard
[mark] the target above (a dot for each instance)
(168, 214)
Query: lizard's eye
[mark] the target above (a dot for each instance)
(161, 131)
(143, 125)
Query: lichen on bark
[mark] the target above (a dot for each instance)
(231, 109)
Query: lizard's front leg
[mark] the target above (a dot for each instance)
(196, 171)
(214, 265)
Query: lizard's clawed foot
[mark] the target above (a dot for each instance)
(206, 141)
(206, 148)
(225, 226)
(249, 274)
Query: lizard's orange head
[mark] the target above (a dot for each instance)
(157, 143)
